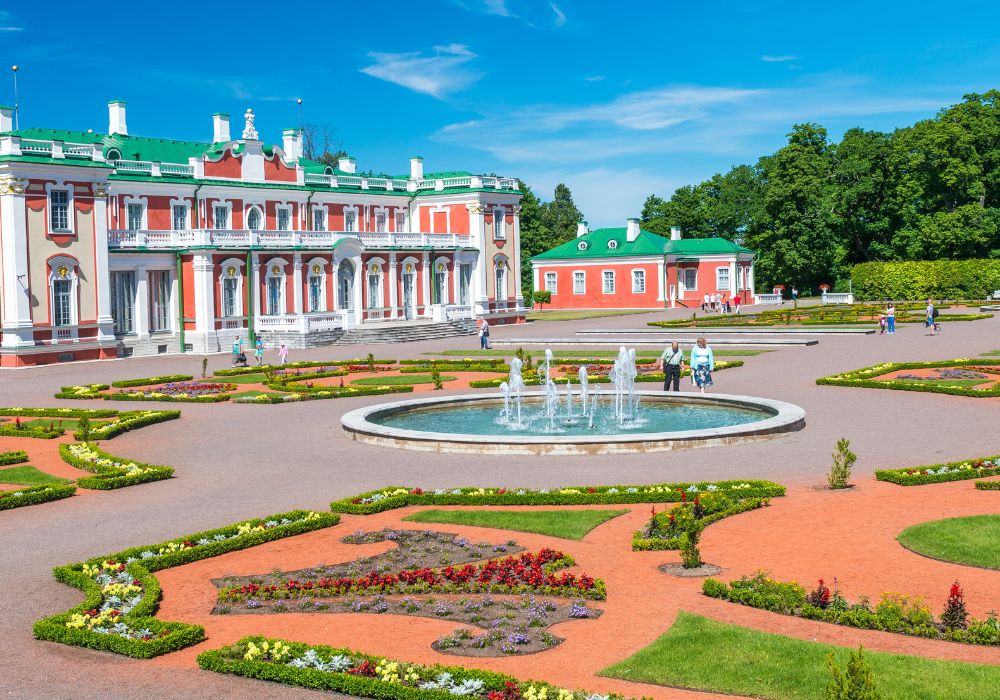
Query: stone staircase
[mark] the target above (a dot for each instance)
(404, 332)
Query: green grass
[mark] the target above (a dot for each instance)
(581, 315)
(64, 423)
(585, 354)
(567, 524)
(991, 352)
(702, 654)
(255, 378)
(973, 540)
(27, 475)
(255, 392)
(397, 380)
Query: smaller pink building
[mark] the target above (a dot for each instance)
(628, 268)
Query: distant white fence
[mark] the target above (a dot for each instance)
(838, 298)
(768, 299)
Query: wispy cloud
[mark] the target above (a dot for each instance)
(530, 12)
(8, 23)
(11, 29)
(437, 74)
(560, 15)
(778, 59)
(593, 78)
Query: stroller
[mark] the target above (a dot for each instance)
(241, 359)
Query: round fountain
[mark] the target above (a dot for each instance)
(587, 419)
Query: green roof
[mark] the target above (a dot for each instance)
(646, 244)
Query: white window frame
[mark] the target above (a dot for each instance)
(642, 276)
(269, 275)
(311, 274)
(551, 281)
(237, 265)
(686, 273)
(500, 268)
(719, 287)
(285, 209)
(70, 218)
(174, 203)
(228, 206)
(150, 287)
(351, 214)
(400, 220)
(499, 225)
(74, 283)
(260, 212)
(604, 281)
(374, 268)
(583, 279)
(320, 217)
(382, 227)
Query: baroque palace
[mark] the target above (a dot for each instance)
(113, 244)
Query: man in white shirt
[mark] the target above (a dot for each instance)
(672, 363)
(705, 302)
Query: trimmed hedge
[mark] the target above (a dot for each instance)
(233, 660)
(108, 475)
(146, 381)
(297, 392)
(31, 495)
(254, 369)
(392, 497)
(641, 543)
(988, 485)
(16, 457)
(939, 473)
(12, 430)
(862, 378)
(923, 279)
(141, 562)
(60, 412)
(126, 421)
(83, 392)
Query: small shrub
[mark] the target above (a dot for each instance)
(204, 367)
(820, 596)
(843, 462)
(856, 682)
(370, 361)
(436, 378)
(690, 554)
(83, 429)
(955, 616)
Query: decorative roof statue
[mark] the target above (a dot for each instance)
(249, 131)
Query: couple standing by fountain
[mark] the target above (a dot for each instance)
(702, 365)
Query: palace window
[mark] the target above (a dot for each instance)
(374, 288)
(255, 219)
(220, 216)
(400, 221)
(230, 296)
(381, 219)
(464, 282)
(689, 278)
(551, 280)
(638, 281)
(319, 218)
(275, 291)
(350, 220)
(62, 302)
(722, 279)
(284, 218)
(59, 210)
(123, 302)
(159, 301)
(579, 282)
(608, 277)
(316, 296)
(498, 229)
(179, 216)
(133, 216)
(501, 280)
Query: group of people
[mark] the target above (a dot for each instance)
(702, 363)
(720, 303)
(887, 319)
(240, 358)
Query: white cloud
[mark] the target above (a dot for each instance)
(778, 59)
(560, 15)
(437, 74)
(531, 12)
(11, 29)
(593, 78)
(496, 7)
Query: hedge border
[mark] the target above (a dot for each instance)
(146, 381)
(13, 457)
(237, 371)
(178, 635)
(649, 544)
(858, 378)
(108, 477)
(903, 478)
(128, 421)
(33, 495)
(988, 485)
(60, 412)
(582, 495)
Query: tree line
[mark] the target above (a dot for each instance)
(815, 207)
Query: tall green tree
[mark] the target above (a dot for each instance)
(560, 215)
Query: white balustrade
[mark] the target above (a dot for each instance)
(457, 312)
(229, 324)
(78, 150)
(768, 299)
(235, 238)
(36, 147)
(837, 298)
(176, 169)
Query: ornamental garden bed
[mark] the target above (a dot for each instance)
(666, 530)
(411, 581)
(940, 473)
(979, 378)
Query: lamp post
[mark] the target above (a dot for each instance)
(17, 124)
(299, 102)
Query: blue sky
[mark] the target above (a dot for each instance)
(618, 100)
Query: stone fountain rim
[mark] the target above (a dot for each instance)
(786, 417)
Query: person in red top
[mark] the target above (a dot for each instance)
(736, 302)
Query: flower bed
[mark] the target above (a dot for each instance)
(60, 412)
(361, 675)
(834, 315)
(893, 613)
(938, 473)
(534, 380)
(299, 391)
(126, 421)
(666, 530)
(865, 378)
(148, 381)
(122, 594)
(31, 495)
(82, 391)
(237, 371)
(193, 392)
(110, 472)
(399, 496)
(17, 429)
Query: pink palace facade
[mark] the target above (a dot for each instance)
(113, 244)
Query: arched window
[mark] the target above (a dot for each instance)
(317, 285)
(231, 287)
(345, 285)
(255, 219)
(63, 282)
(275, 288)
(501, 279)
(374, 286)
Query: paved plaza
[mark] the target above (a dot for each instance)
(234, 462)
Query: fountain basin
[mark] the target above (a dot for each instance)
(459, 425)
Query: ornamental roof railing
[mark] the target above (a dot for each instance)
(124, 240)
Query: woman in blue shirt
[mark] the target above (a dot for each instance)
(702, 364)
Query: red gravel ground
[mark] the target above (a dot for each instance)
(235, 462)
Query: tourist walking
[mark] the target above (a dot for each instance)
(702, 364)
(932, 315)
(890, 318)
(282, 354)
(484, 335)
(737, 300)
(881, 323)
(795, 294)
(258, 351)
(706, 303)
(671, 362)
(237, 350)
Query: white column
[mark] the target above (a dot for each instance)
(17, 325)
(425, 282)
(732, 278)
(661, 281)
(105, 324)
(356, 288)
(393, 291)
(751, 287)
(479, 279)
(254, 279)
(297, 283)
(141, 314)
(334, 280)
(204, 294)
(515, 257)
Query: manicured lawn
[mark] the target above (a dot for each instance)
(992, 352)
(64, 423)
(703, 654)
(255, 392)
(586, 354)
(255, 378)
(397, 380)
(568, 524)
(580, 315)
(27, 475)
(973, 540)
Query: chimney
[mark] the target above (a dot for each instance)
(581, 229)
(416, 168)
(292, 140)
(632, 230)
(6, 118)
(220, 127)
(347, 164)
(116, 118)
(675, 233)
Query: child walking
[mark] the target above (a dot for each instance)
(283, 354)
